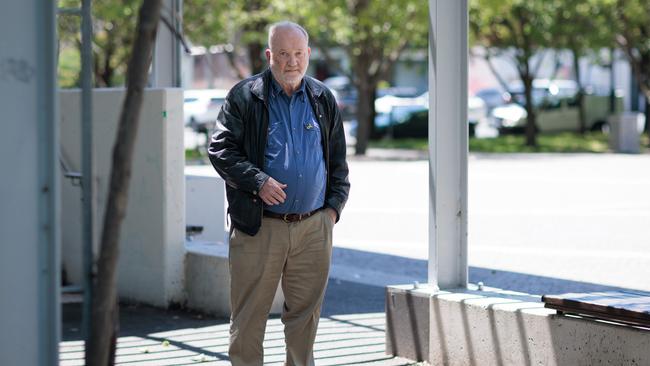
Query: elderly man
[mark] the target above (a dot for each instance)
(280, 147)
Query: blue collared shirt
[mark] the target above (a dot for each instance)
(294, 152)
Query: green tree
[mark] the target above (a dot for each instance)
(632, 27)
(519, 29)
(373, 34)
(580, 28)
(100, 349)
(242, 24)
(114, 28)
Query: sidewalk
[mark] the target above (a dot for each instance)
(351, 332)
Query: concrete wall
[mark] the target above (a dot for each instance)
(205, 199)
(207, 269)
(29, 204)
(505, 329)
(153, 232)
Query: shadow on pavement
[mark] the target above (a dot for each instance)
(358, 278)
(345, 293)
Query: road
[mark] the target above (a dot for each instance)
(578, 217)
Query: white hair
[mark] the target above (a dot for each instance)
(286, 24)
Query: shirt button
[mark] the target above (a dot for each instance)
(299, 175)
(254, 192)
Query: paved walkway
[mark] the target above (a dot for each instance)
(355, 339)
(352, 324)
(351, 332)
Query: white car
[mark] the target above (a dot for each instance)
(556, 108)
(201, 107)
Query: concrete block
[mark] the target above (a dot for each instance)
(501, 328)
(625, 132)
(205, 205)
(207, 279)
(407, 322)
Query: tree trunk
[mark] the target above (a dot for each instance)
(612, 83)
(255, 47)
(647, 117)
(582, 120)
(531, 126)
(365, 114)
(101, 345)
(107, 72)
(255, 50)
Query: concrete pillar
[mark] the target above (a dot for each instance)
(448, 141)
(29, 227)
(150, 267)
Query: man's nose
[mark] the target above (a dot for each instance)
(293, 60)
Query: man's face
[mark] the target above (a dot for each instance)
(288, 57)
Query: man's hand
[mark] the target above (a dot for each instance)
(332, 214)
(272, 192)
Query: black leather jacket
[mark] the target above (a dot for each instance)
(237, 148)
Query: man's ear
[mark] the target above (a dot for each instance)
(268, 55)
(308, 52)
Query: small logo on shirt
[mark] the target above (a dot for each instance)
(309, 126)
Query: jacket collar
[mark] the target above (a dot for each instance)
(262, 84)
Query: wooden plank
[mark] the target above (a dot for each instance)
(624, 306)
(600, 316)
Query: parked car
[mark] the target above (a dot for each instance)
(403, 122)
(201, 108)
(347, 97)
(393, 110)
(556, 106)
(493, 97)
(408, 117)
(345, 94)
(386, 103)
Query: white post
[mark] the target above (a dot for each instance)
(448, 143)
(29, 210)
(166, 63)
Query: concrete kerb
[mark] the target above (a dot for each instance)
(496, 327)
(207, 279)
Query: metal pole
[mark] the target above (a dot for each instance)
(448, 143)
(88, 173)
(612, 82)
(178, 23)
(49, 225)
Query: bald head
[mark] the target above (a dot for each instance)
(283, 27)
(288, 54)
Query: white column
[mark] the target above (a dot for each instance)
(166, 63)
(29, 208)
(448, 143)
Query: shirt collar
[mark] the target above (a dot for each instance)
(276, 89)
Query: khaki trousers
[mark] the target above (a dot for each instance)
(299, 253)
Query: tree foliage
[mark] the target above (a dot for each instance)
(632, 27)
(519, 29)
(373, 34)
(632, 19)
(582, 27)
(242, 24)
(113, 27)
